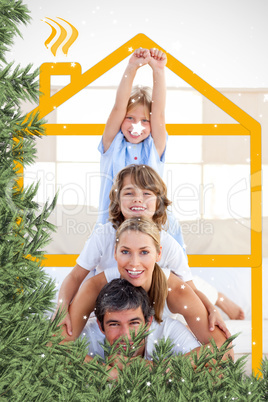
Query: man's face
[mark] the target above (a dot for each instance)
(120, 323)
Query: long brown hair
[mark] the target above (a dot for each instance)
(158, 291)
(144, 177)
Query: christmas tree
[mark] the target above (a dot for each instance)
(34, 366)
(29, 369)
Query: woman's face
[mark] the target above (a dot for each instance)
(136, 256)
(136, 201)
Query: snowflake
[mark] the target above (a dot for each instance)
(137, 128)
(183, 286)
(148, 383)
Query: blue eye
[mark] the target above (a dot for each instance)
(125, 251)
(145, 252)
(145, 121)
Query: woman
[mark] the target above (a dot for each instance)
(137, 252)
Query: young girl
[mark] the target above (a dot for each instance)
(135, 131)
(137, 251)
(138, 191)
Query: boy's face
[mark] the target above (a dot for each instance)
(136, 201)
(118, 324)
(136, 125)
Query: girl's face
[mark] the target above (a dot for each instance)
(136, 125)
(136, 201)
(136, 256)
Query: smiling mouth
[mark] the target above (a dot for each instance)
(124, 346)
(137, 209)
(135, 134)
(134, 273)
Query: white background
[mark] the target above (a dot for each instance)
(224, 42)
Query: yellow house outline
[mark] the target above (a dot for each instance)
(247, 126)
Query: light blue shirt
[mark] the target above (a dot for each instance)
(120, 154)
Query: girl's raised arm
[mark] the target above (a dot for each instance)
(83, 304)
(158, 61)
(139, 58)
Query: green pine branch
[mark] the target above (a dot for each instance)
(12, 13)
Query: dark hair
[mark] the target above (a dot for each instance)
(159, 290)
(118, 295)
(145, 177)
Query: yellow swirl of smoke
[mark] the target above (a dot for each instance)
(72, 39)
(52, 35)
(62, 36)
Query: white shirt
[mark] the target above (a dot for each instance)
(98, 253)
(182, 339)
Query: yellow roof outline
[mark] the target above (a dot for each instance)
(246, 126)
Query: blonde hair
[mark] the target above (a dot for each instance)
(144, 177)
(140, 96)
(158, 291)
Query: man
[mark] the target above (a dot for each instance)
(122, 308)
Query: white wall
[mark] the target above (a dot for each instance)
(224, 42)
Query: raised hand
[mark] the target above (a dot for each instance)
(158, 59)
(140, 57)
